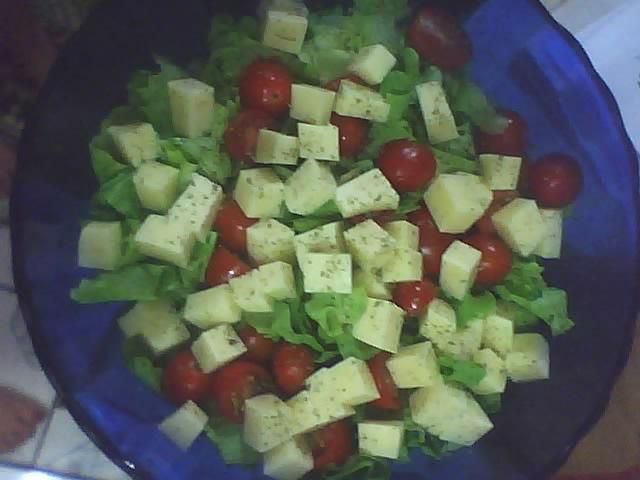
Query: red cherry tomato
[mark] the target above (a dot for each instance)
(182, 379)
(511, 141)
(332, 445)
(389, 398)
(438, 39)
(496, 260)
(421, 217)
(353, 134)
(241, 135)
(223, 266)
(408, 165)
(433, 244)
(259, 348)
(555, 180)
(414, 297)
(381, 218)
(266, 85)
(500, 199)
(236, 382)
(231, 224)
(335, 83)
(292, 365)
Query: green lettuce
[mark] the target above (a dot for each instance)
(139, 361)
(462, 372)
(360, 467)
(491, 404)
(416, 437)
(327, 213)
(452, 163)
(473, 307)
(228, 438)
(119, 193)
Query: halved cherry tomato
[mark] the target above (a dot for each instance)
(414, 297)
(266, 85)
(231, 224)
(381, 218)
(223, 266)
(500, 199)
(236, 382)
(332, 445)
(555, 180)
(389, 398)
(353, 134)
(241, 135)
(496, 260)
(259, 348)
(335, 83)
(421, 216)
(182, 379)
(511, 141)
(292, 365)
(408, 165)
(438, 39)
(433, 244)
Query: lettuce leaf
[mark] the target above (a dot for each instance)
(452, 163)
(228, 438)
(139, 361)
(119, 193)
(474, 307)
(417, 437)
(491, 404)
(360, 467)
(462, 372)
(327, 213)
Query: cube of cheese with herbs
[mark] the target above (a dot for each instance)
(198, 206)
(528, 360)
(381, 438)
(100, 245)
(415, 366)
(184, 425)
(192, 107)
(371, 282)
(456, 201)
(277, 148)
(319, 142)
(438, 323)
(373, 63)
(248, 292)
(217, 347)
(278, 281)
(133, 322)
(464, 342)
(290, 461)
(498, 334)
(309, 188)
(357, 101)
(266, 422)
(370, 245)
(458, 269)
(405, 266)
(270, 241)
(327, 273)
(495, 378)
(156, 185)
(328, 238)
(520, 225)
(259, 192)
(350, 382)
(406, 234)
(500, 172)
(211, 307)
(311, 104)
(285, 26)
(436, 112)
(311, 410)
(380, 325)
(136, 143)
(165, 239)
(551, 244)
(369, 192)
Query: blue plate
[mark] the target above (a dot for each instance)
(523, 60)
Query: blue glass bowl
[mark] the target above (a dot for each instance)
(523, 59)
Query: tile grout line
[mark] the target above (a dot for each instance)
(45, 432)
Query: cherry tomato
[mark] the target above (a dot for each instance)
(408, 165)
(421, 217)
(332, 445)
(259, 348)
(231, 224)
(381, 218)
(389, 398)
(511, 141)
(495, 263)
(241, 135)
(236, 382)
(438, 39)
(433, 244)
(353, 134)
(266, 85)
(555, 180)
(292, 365)
(414, 297)
(223, 266)
(500, 199)
(335, 83)
(182, 379)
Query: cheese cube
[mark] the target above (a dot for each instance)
(381, 439)
(285, 26)
(551, 243)
(529, 359)
(380, 325)
(437, 115)
(415, 366)
(458, 269)
(325, 239)
(438, 323)
(248, 292)
(211, 307)
(277, 148)
(351, 382)
(266, 422)
(217, 347)
(310, 187)
(311, 104)
(197, 206)
(290, 461)
(495, 379)
(371, 282)
(278, 281)
(136, 143)
(464, 342)
(449, 413)
(165, 239)
(259, 192)
(100, 245)
(406, 234)
(370, 245)
(500, 172)
(326, 272)
(270, 241)
(355, 100)
(192, 106)
(132, 323)
(457, 201)
(311, 410)
(498, 334)
(373, 63)
(319, 142)
(520, 225)
(405, 266)
(156, 185)
(184, 425)
(369, 192)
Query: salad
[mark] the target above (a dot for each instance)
(330, 238)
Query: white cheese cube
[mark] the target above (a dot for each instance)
(311, 410)
(529, 359)
(437, 115)
(371, 282)
(415, 366)
(406, 234)
(211, 307)
(266, 422)
(438, 323)
(464, 342)
(132, 323)
(405, 266)
(100, 245)
(551, 243)
(373, 63)
(325, 239)
(136, 143)
(285, 27)
(498, 334)
(458, 269)
(259, 192)
(355, 100)
(319, 142)
(520, 225)
(351, 381)
(192, 106)
(381, 439)
(156, 185)
(278, 281)
(370, 245)
(217, 347)
(165, 239)
(500, 172)
(310, 187)
(369, 192)
(184, 425)
(380, 325)
(449, 413)
(277, 148)
(290, 461)
(311, 104)
(457, 201)
(270, 241)
(248, 292)
(327, 273)
(495, 379)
